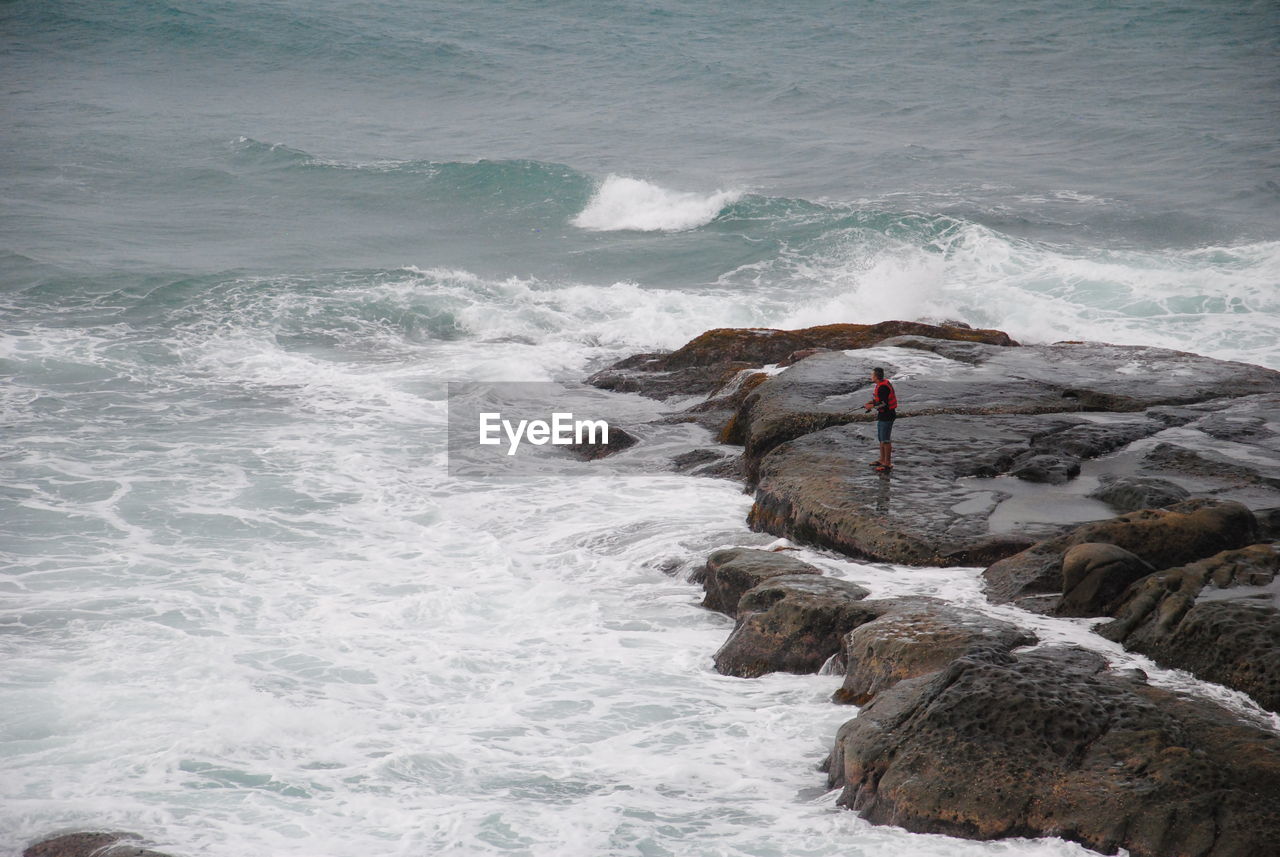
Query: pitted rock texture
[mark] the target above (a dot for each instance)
(917, 637)
(91, 844)
(1050, 743)
(1095, 575)
(1185, 532)
(793, 624)
(1131, 493)
(731, 572)
(1216, 618)
(713, 359)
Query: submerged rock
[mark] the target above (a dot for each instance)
(1177, 459)
(731, 572)
(715, 463)
(619, 439)
(1216, 618)
(1050, 743)
(91, 844)
(1050, 469)
(1131, 493)
(689, 461)
(792, 623)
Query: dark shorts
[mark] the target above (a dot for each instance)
(883, 429)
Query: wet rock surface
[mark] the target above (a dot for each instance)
(1050, 743)
(934, 377)
(974, 416)
(1268, 524)
(914, 637)
(91, 844)
(1216, 618)
(691, 461)
(713, 463)
(1051, 469)
(1173, 458)
(731, 572)
(712, 360)
(793, 624)
(819, 489)
(1163, 538)
(619, 439)
(1131, 493)
(1226, 448)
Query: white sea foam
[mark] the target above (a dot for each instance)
(627, 203)
(1221, 302)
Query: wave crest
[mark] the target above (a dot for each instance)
(622, 203)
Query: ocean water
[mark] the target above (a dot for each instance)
(244, 247)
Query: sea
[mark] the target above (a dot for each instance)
(246, 605)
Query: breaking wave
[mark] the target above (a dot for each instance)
(626, 203)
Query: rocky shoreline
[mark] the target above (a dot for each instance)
(1136, 487)
(1131, 484)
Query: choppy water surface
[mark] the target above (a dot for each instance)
(243, 248)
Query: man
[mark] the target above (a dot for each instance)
(885, 401)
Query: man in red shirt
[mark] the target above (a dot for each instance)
(885, 401)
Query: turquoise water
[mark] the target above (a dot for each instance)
(244, 247)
